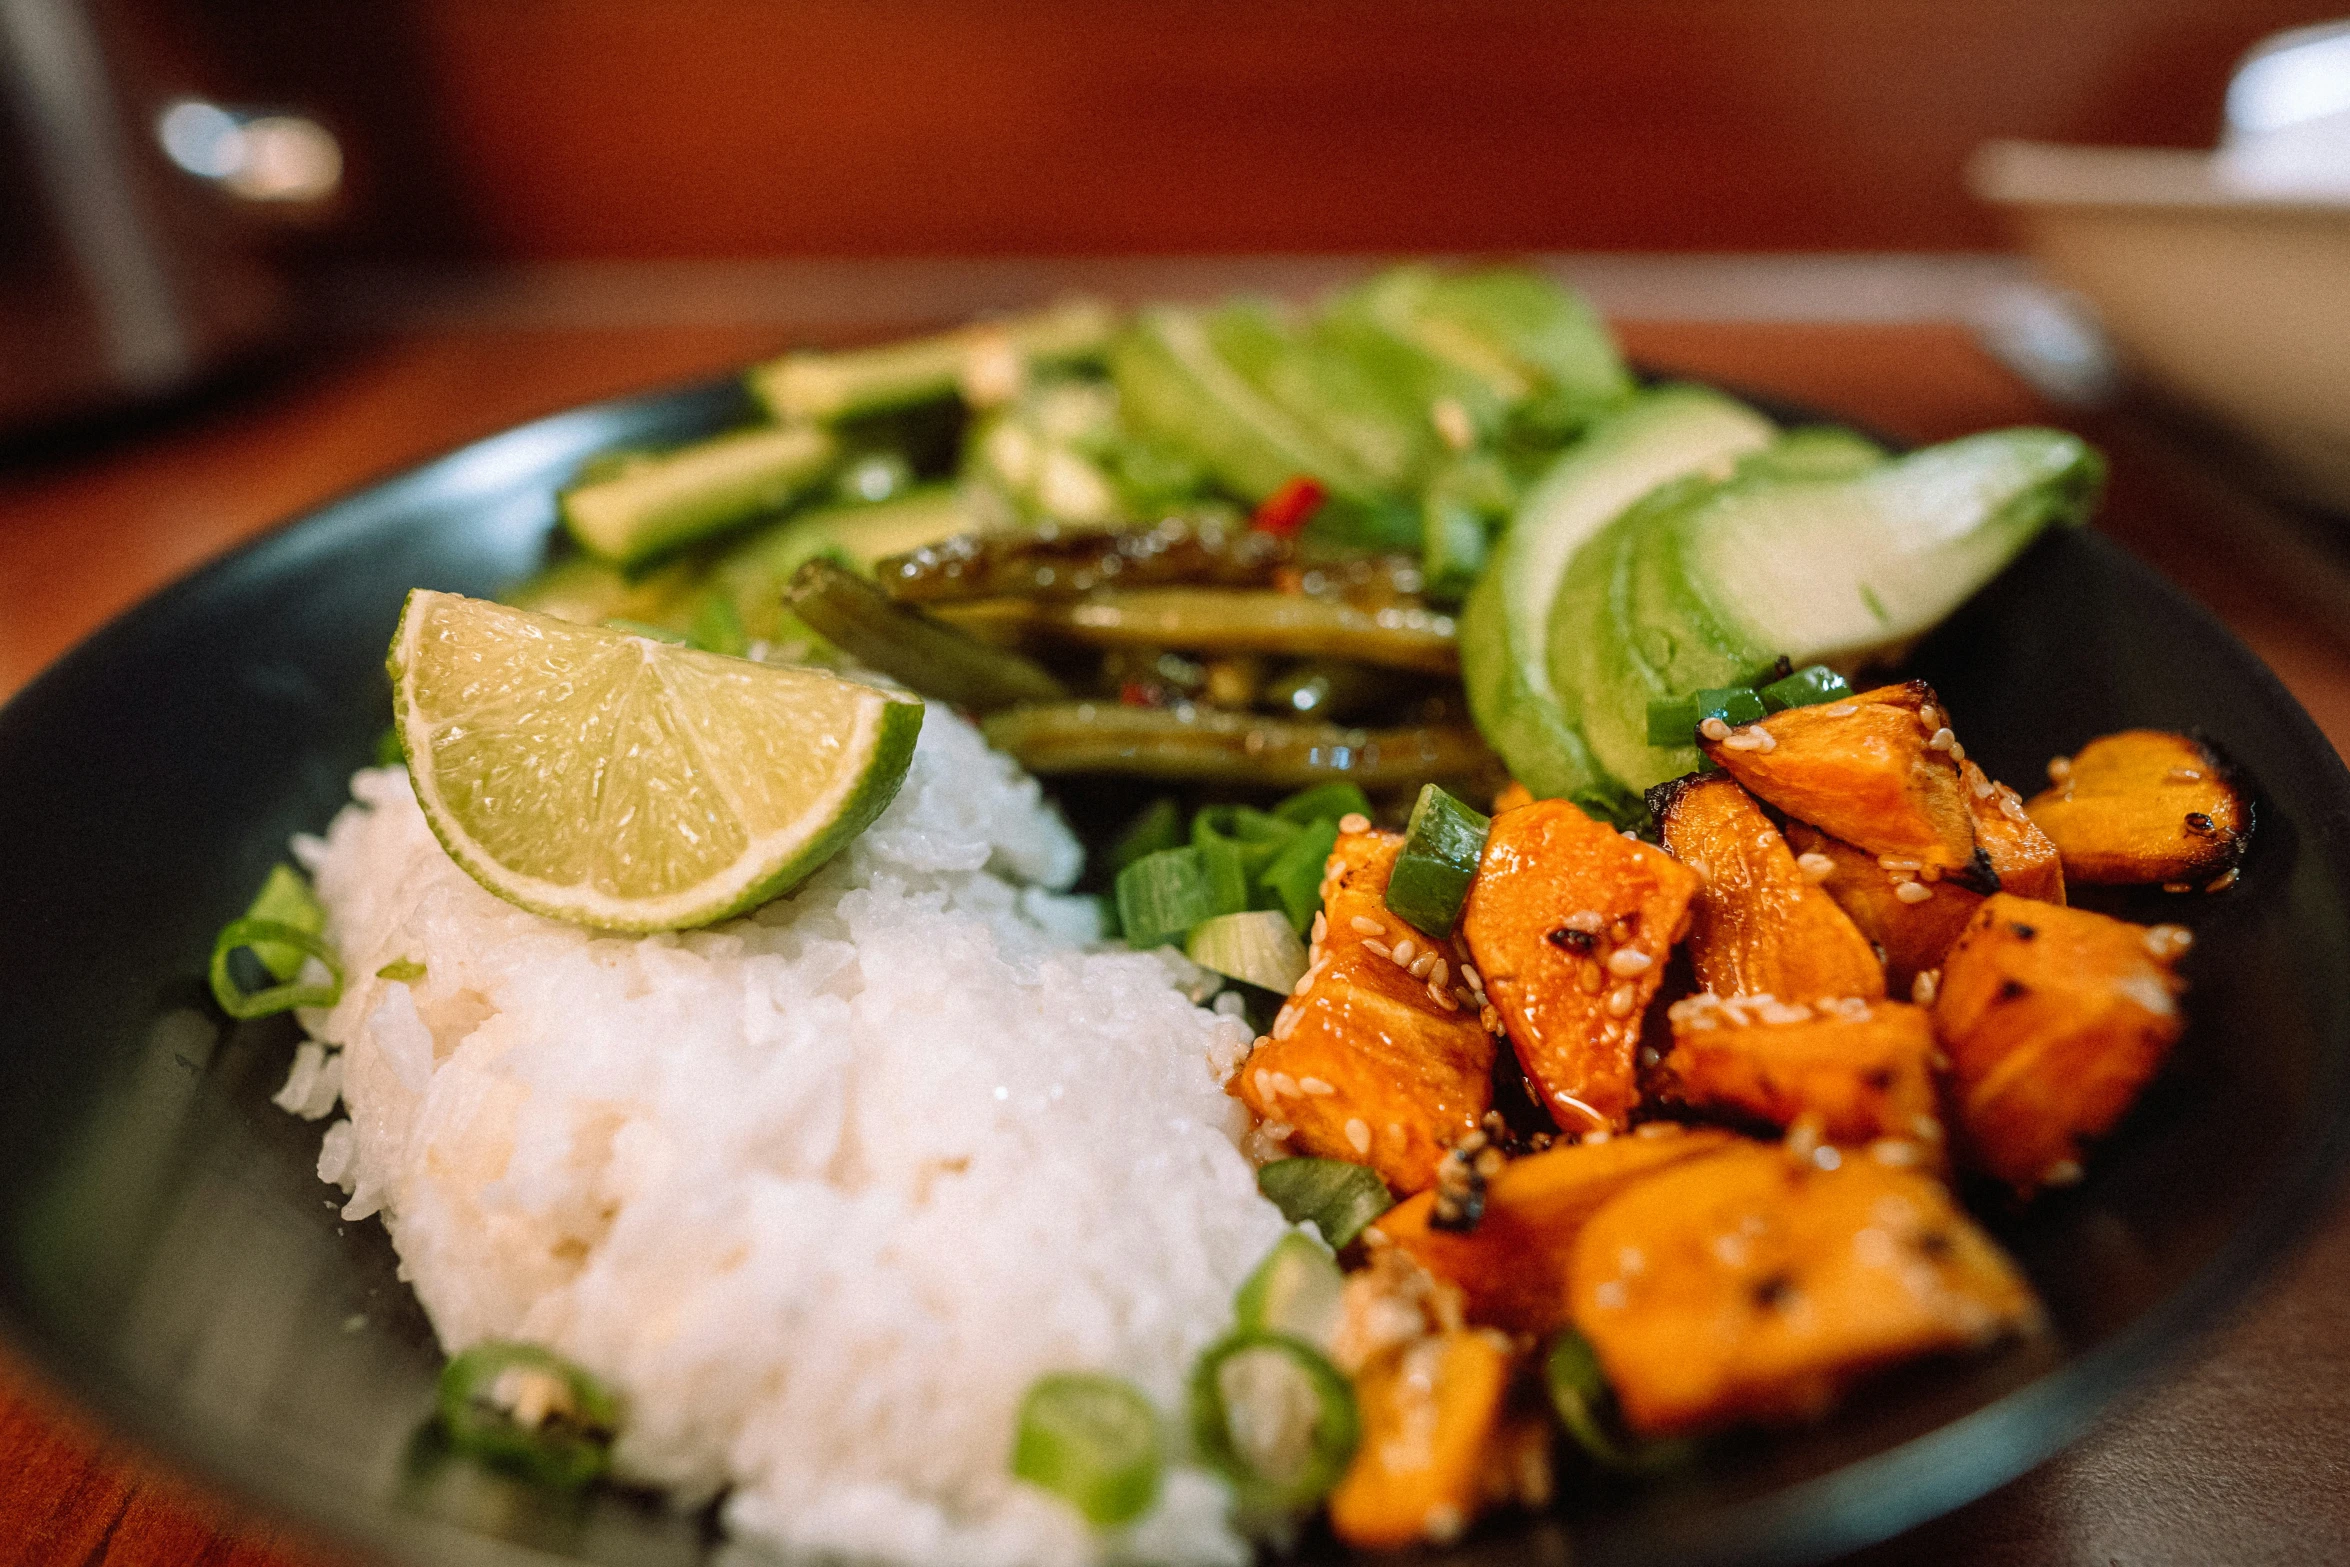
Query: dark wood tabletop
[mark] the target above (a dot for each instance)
(2238, 1455)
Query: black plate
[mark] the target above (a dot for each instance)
(166, 1251)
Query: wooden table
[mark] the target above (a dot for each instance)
(2239, 1459)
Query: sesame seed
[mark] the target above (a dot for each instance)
(1982, 785)
(1803, 1137)
(1625, 962)
(1593, 980)
(1926, 987)
(1913, 892)
(1489, 1163)
(1442, 997)
(1283, 1083)
(1264, 1081)
(2222, 882)
(1358, 1135)
(2176, 886)
(1826, 1157)
(1474, 980)
(1588, 921)
(1770, 742)
(1404, 951)
(1596, 1139)
(1278, 1131)
(1620, 932)
(1286, 1024)
(2182, 775)
(2011, 804)
(2059, 768)
(1354, 821)
(1927, 1128)
(1941, 740)
(1321, 927)
(1316, 1087)
(1418, 968)
(1957, 751)
(1364, 926)
(1842, 710)
(1714, 729)
(1438, 974)
(1380, 947)
(1815, 867)
(2166, 942)
(1895, 1153)
(1894, 862)
(1489, 1019)
(1652, 1130)
(1930, 716)
(1619, 1001)
(1744, 740)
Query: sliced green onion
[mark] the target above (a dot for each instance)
(1455, 539)
(1675, 722)
(1160, 826)
(1295, 1290)
(1336, 1197)
(406, 971)
(1441, 847)
(1586, 1406)
(1093, 1441)
(1259, 947)
(1807, 687)
(1273, 1416)
(1162, 897)
(717, 628)
(1293, 878)
(388, 750)
(641, 628)
(285, 897)
(1253, 836)
(528, 1410)
(270, 999)
(1331, 801)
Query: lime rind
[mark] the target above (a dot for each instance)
(869, 764)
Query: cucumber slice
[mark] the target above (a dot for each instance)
(1329, 391)
(754, 572)
(1816, 451)
(1504, 627)
(1258, 948)
(1441, 847)
(898, 375)
(1295, 1290)
(641, 506)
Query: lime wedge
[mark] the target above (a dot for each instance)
(628, 784)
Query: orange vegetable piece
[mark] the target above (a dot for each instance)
(1512, 1267)
(1759, 928)
(1863, 1070)
(2144, 805)
(1753, 1286)
(1570, 923)
(2053, 1019)
(1914, 936)
(1863, 770)
(1432, 1414)
(1367, 1064)
(1510, 796)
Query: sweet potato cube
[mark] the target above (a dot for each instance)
(1510, 796)
(1754, 1286)
(1432, 1413)
(1915, 932)
(2144, 805)
(2053, 1019)
(1864, 770)
(1864, 1070)
(1570, 923)
(1759, 926)
(1512, 1266)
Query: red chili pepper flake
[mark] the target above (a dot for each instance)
(1140, 693)
(1290, 507)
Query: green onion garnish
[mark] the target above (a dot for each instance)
(1272, 1415)
(1162, 897)
(1337, 1197)
(1675, 722)
(1259, 947)
(406, 971)
(1586, 1406)
(1160, 826)
(1293, 878)
(286, 898)
(1330, 800)
(1441, 847)
(1807, 687)
(1254, 835)
(1093, 1441)
(718, 629)
(281, 927)
(528, 1410)
(1295, 1290)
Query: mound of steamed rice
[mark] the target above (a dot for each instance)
(820, 1191)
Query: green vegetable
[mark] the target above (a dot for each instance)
(1441, 847)
(406, 971)
(1273, 1416)
(526, 1409)
(1329, 688)
(896, 375)
(1318, 382)
(933, 658)
(754, 571)
(1586, 1406)
(1817, 451)
(650, 504)
(1293, 878)
(1163, 897)
(1295, 1290)
(282, 929)
(1675, 722)
(1259, 947)
(387, 750)
(1336, 1197)
(285, 896)
(1224, 620)
(1093, 1441)
(717, 628)
(1245, 749)
(1505, 662)
(1325, 802)
(1807, 687)
(1159, 826)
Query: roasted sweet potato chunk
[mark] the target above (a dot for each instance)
(1510, 796)
(1759, 926)
(1432, 1415)
(2144, 805)
(1915, 931)
(2053, 1019)
(1570, 923)
(1511, 1266)
(1866, 770)
(1368, 1063)
(1862, 1070)
(1755, 1286)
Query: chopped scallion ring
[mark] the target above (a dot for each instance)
(270, 999)
(1586, 1406)
(1274, 1417)
(526, 1409)
(1338, 1197)
(1093, 1441)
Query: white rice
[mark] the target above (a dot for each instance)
(822, 1190)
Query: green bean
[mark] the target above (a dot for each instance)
(1328, 688)
(934, 659)
(1207, 547)
(1236, 748)
(1227, 620)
